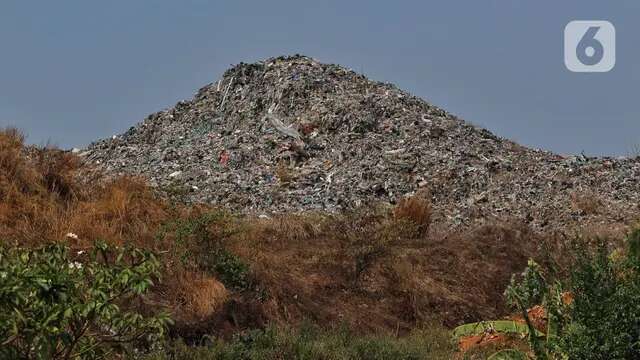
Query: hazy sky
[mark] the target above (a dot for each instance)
(75, 71)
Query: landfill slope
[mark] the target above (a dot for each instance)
(293, 134)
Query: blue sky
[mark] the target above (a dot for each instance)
(75, 71)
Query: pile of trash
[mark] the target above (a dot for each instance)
(293, 134)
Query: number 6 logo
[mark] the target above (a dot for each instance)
(589, 46)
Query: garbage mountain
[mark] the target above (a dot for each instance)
(294, 134)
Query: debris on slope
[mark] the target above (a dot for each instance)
(293, 134)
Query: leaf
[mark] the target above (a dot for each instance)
(44, 284)
(44, 302)
(509, 354)
(50, 318)
(68, 313)
(503, 326)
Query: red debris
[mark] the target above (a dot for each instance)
(224, 157)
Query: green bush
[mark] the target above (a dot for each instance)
(59, 305)
(208, 232)
(231, 270)
(603, 320)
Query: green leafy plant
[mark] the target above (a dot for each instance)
(208, 231)
(232, 271)
(533, 289)
(57, 306)
(600, 319)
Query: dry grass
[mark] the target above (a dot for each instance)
(43, 198)
(416, 210)
(363, 270)
(587, 203)
(35, 189)
(200, 296)
(123, 210)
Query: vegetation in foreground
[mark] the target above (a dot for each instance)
(58, 306)
(593, 313)
(311, 343)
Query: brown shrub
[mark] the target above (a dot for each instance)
(27, 208)
(16, 174)
(416, 210)
(123, 210)
(57, 169)
(587, 203)
(197, 296)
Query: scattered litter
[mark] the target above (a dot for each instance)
(224, 157)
